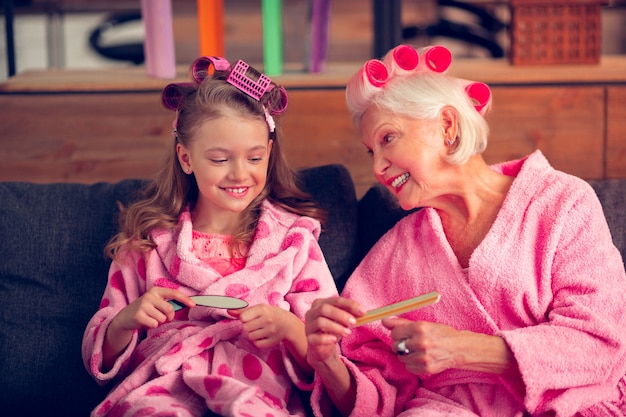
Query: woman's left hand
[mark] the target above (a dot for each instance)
(432, 348)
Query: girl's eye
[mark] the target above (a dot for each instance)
(257, 159)
(218, 160)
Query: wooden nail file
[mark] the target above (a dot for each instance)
(399, 308)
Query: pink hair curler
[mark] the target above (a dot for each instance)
(437, 58)
(173, 96)
(365, 83)
(375, 72)
(480, 94)
(275, 108)
(401, 59)
(201, 67)
(248, 80)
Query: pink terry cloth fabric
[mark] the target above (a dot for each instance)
(201, 359)
(547, 278)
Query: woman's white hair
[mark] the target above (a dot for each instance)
(422, 95)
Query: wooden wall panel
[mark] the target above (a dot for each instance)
(565, 123)
(82, 137)
(318, 131)
(112, 136)
(616, 132)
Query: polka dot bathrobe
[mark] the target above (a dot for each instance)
(202, 360)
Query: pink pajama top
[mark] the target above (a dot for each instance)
(203, 353)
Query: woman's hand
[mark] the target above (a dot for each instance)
(148, 311)
(435, 347)
(326, 323)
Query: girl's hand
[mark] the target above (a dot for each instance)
(266, 326)
(150, 310)
(435, 347)
(326, 323)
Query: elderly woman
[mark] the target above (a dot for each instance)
(531, 319)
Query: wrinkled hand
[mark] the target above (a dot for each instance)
(150, 310)
(326, 323)
(266, 326)
(433, 347)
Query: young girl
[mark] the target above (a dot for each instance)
(223, 217)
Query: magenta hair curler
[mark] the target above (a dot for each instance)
(437, 58)
(480, 94)
(173, 96)
(365, 83)
(248, 80)
(201, 67)
(375, 72)
(405, 60)
(275, 108)
(401, 59)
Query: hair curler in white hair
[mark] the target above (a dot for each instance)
(365, 83)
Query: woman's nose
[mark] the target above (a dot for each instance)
(379, 164)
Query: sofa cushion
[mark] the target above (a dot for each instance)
(53, 273)
(612, 196)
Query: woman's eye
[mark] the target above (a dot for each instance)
(387, 138)
(370, 153)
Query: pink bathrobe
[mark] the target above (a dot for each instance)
(547, 278)
(201, 359)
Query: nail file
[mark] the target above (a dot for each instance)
(399, 308)
(215, 301)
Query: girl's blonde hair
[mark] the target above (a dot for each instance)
(162, 201)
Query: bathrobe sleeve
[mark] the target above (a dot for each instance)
(123, 287)
(574, 357)
(366, 351)
(310, 279)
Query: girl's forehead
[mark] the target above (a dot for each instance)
(232, 132)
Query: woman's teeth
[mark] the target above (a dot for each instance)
(400, 180)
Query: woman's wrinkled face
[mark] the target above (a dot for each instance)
(229, 157)
(407, 154)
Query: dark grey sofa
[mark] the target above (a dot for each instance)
(53, 272)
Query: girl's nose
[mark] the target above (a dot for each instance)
(238, 170)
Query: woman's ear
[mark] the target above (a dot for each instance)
(183, 158)
(449, 124)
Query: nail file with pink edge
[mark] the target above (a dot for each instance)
(215, 301)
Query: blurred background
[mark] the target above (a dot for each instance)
(57, 34)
